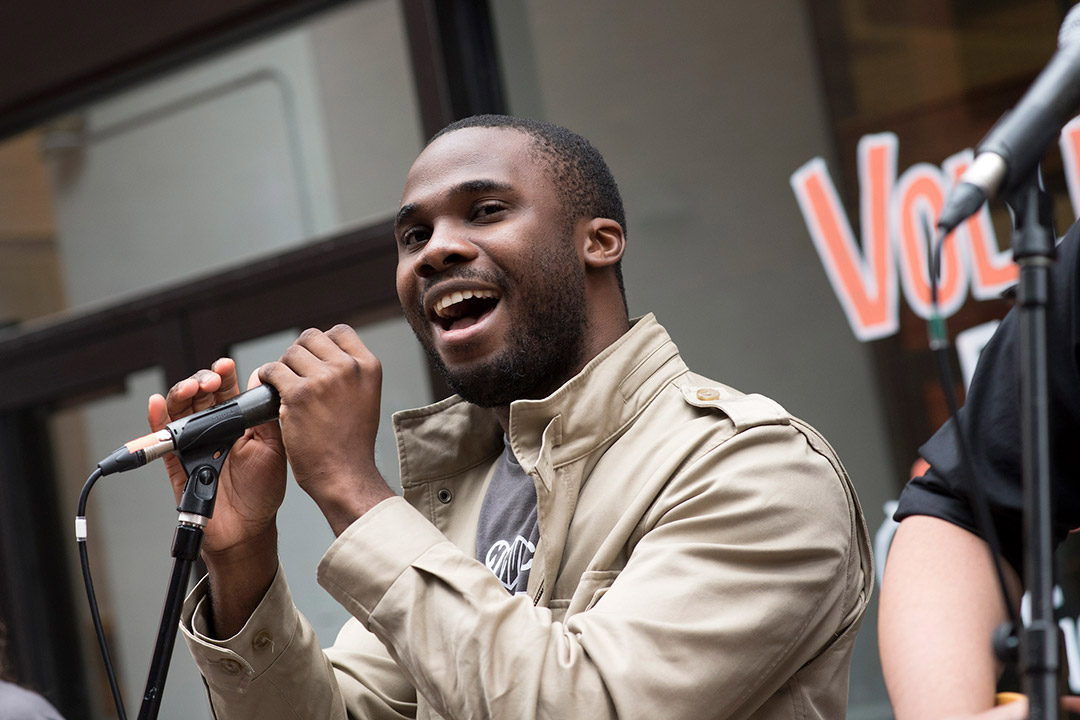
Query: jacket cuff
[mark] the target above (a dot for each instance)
(232, 664)
(373, 552)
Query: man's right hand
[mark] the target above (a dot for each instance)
(240, 541)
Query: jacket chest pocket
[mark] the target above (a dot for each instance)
(592, 586)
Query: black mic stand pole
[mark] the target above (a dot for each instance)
(203, 465)
(1034, 251)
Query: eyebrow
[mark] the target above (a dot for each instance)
(480, 185)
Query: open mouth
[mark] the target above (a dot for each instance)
(463, 308)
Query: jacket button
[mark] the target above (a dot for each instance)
(708, 394)
(264, 639)
(230, 667)
(445, 496)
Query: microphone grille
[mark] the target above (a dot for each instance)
(1070, 28)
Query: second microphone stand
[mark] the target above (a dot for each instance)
(1034, 251)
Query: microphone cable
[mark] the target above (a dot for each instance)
(95, 615)
(211, 431)
(939, 345)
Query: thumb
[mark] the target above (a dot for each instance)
(157, 413)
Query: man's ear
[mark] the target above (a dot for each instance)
(604, 243)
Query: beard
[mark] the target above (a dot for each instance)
(546, 340)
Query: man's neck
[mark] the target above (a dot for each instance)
(502, 414)
(600, 341)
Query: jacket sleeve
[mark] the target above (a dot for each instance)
(746, 568)
(275, 668)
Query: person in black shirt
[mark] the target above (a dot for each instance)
(940, 602)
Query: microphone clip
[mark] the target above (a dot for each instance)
(203, 462)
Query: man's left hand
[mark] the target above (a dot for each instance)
(330, 386)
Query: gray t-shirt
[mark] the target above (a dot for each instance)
(507, 531)
(19, 704)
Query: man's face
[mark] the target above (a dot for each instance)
(489, 274)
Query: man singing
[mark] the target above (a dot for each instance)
(588, 529)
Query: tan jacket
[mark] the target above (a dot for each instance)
(702, 555)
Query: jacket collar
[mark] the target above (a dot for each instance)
(586, 412)
(599, 402)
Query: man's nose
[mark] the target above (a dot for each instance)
(447, 246)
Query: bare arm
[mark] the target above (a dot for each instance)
(939, 606)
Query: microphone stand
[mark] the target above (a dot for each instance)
(203, 465)
(1034, 252)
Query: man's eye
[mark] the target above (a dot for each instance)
(487, 210)
(414, 235)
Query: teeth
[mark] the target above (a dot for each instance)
(460, 296)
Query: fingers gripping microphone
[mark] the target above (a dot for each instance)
(1011, 151)
(217, 425)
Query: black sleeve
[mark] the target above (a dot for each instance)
(990, 421)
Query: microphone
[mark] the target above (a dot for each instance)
(1011, 151)
(221, 424)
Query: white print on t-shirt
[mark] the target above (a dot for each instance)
(509, 561)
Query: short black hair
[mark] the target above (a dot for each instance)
(582, 179)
